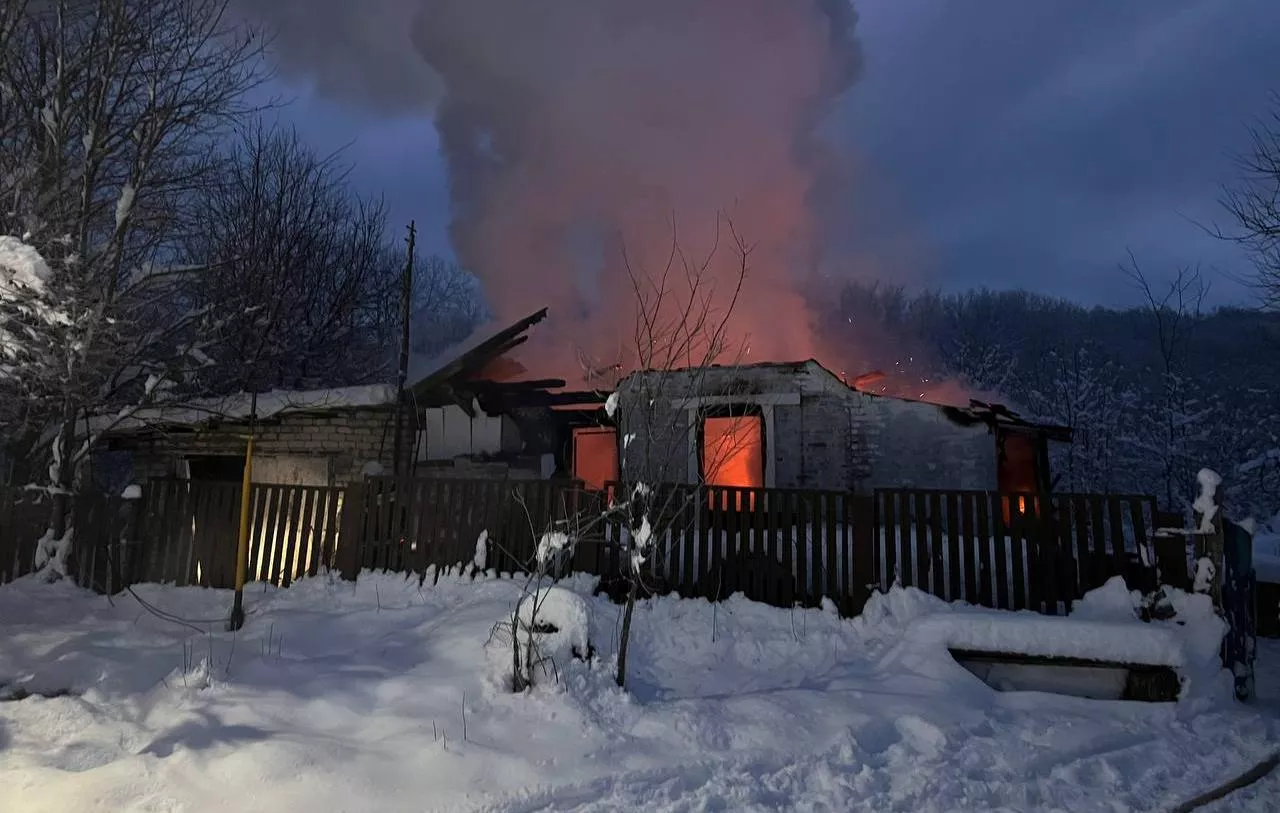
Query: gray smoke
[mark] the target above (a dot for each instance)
(570, 127)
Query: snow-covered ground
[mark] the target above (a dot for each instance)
(355, 697)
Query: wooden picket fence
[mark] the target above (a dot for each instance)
(98, 523)
(780, 546)
(1012, 551)
(24, 516)
(188, 532)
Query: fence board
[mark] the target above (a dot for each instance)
(1117, 536)
(1000, 553)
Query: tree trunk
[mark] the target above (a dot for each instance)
(626, 632)
(64, 478)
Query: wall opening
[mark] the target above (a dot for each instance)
(216, 468)
(595, 455)
(1018, 469)
(731, 453)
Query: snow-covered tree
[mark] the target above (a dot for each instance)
(1080, 389)
(1171, 425)
(30, 321)
(109, 112)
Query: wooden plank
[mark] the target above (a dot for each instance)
(970, 545)
(326, 514)
(888, 533)
(343, 548)
(781, 542)
(172, 561)
(201, 498)
(388, 528)
(937, 547)
(837, 554)
(413, 554)
(1115, 514)
(272, 497)
(1066, 576)
(999, 552)
(159, 529)
(863, 572)
(1138, 515)
(955, 549)
(1085, 565)
(719, 549)
(181, 524)
(766, 582)
(792, 525)
(923, 556)
(259, 532)
(1018, 541)
(371, 534)
(301, 547)
(1102, 564)
(425, 529)
(1046, 552)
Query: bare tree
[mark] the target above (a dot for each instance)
(1078, 388)
(298, 276)
(109, 111)
(681, 329)
(1168, 429)
(446, 305)
(1254, 203)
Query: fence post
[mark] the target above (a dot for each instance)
(1170, 545)
(863, 555)
(350, 537)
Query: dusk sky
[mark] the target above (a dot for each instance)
(999, 143)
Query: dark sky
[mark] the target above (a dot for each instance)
(1009, 143)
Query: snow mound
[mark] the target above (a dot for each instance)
(558, 622)
(918, 629)
(1113, 601)
(1052, 637)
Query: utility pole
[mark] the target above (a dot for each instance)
(242, 541)
(406, 302)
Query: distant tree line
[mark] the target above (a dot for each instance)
(1153, 393)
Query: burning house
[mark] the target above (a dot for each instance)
(773, 425)
(797, 425)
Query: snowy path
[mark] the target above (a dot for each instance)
(351, 698)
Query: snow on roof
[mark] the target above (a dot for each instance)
(238, 407)
(422, 366)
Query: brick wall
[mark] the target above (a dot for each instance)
(347, 439)
(834, 438)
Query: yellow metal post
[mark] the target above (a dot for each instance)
(242, 545)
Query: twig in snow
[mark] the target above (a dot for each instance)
(230, 655)
(464, 716)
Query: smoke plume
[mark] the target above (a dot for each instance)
(574, 128)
